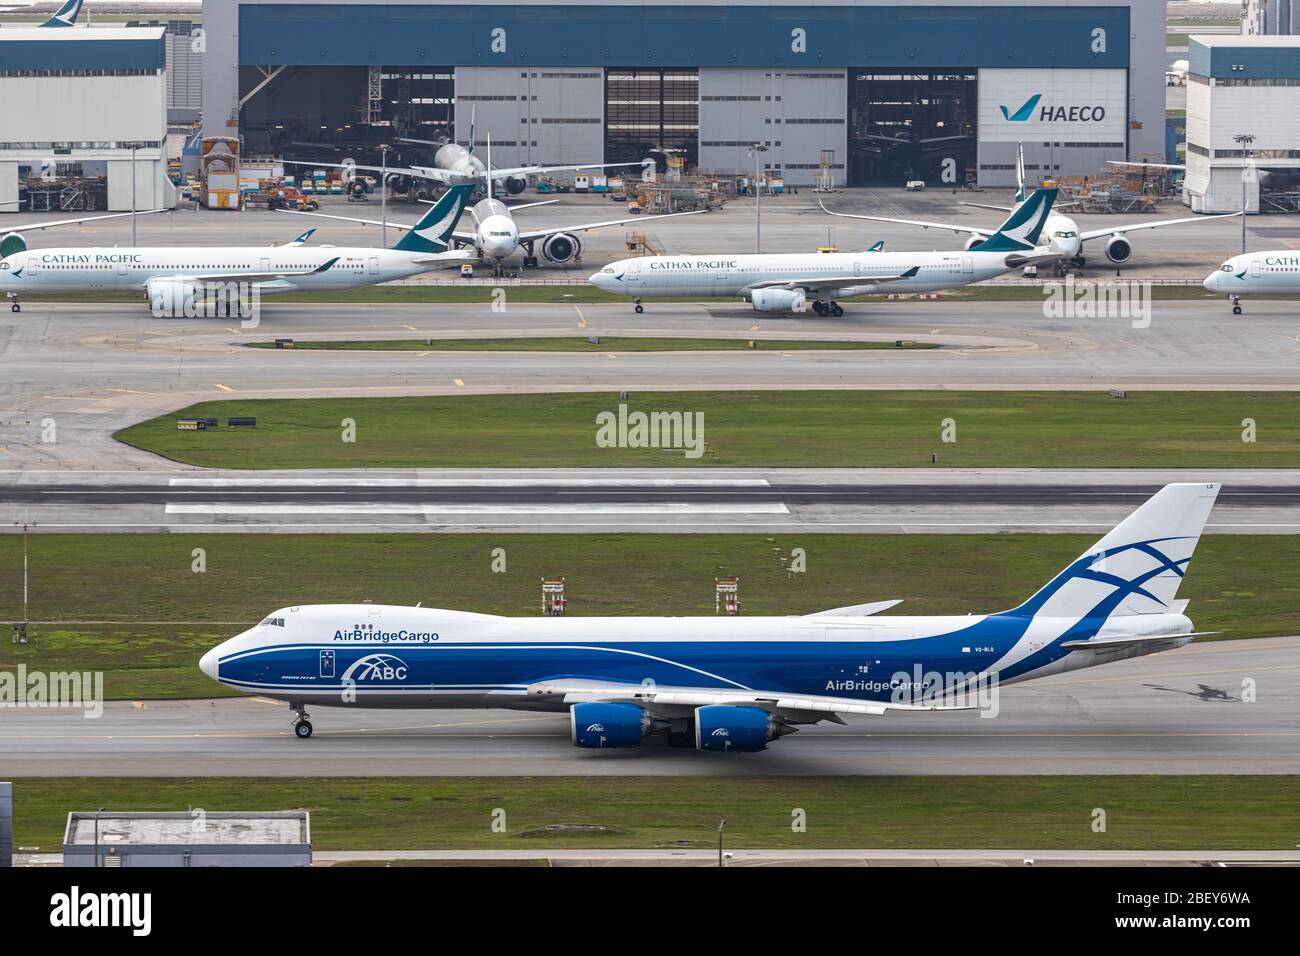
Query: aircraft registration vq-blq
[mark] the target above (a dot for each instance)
(729, 683)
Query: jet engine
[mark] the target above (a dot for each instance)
(400, 184)
(172, 297)
(561, 247)
(722, 728)
(11, 243)
(1119, 250)
(357, 189)
(779, 300)
(598, 725)
(974, 242)
(515, 185)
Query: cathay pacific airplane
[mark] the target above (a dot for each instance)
(783, 282)
(1256, 273)
(66, 15)
(172, 272)
(730, 683)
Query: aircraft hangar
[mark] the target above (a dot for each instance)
(875, 92)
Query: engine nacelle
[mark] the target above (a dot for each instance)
(399, 183)
(357, 189)
(598, 725)
(974, 242)
(721, 728)
(515, 185)
(171, 298)
(561, 247)
(779, 300)
(1119, 250)
(11, 243)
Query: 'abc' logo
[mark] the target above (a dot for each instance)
(376, 668)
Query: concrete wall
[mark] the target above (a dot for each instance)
(537, 116)
(796, 113)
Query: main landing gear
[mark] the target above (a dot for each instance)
(1236, 305)
(827, 308)
(301, 725)
(639, 309)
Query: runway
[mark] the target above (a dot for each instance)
(94, 369)
(1226, 707)
(631, 500)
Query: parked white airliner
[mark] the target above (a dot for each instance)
(175, 273)
(1256, 273)
(730, 683)
(1061, 233)
(780, 282)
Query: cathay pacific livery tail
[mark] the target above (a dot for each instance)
(173, 272)
(66, 15)
(730, 683)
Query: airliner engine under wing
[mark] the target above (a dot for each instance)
(729, 683)
(783, 282)
(180, 273)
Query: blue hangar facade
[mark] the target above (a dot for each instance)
(871, 90)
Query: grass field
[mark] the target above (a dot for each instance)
(852, 428)
(1048, 813)
(1240, 585)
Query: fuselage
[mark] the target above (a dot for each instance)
(388, 656)
(457, 159)
(728, 275)
(1061, 235)
(498, 235)
(1257, 273)
(114, 269)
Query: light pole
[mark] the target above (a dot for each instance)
(134, 147)
(1243, 140)
(757, 150)
(383, 194)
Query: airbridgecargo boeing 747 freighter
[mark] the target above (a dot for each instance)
(730, 683)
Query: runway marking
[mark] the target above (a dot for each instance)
(130, 391)
(458, 382)
(471, 482)
(411, 328)
(381, 508)
(224, 388)
(582, 319)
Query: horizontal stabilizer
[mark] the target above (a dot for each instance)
(1110, 643)
(858, 610)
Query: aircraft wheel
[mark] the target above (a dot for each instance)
(639, 310)
(837, 310)
(15, 307)
(303, 729)
(1237, 310)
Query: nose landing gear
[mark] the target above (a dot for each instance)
(13, 299)
(301, 725)
(639, 309)
(1236, 305)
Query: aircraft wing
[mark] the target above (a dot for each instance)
(463, 236)
(675, 701)
(260, 276)
(35, 226)
(834, 282)
(1103, 233)
(1174, 166)
(951, 227)
(543, 233)
(419, 172)
(498, 173)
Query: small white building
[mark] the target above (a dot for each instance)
(75, 100)
(111, 839)
(1238, 85)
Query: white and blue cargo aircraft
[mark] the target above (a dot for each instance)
(729, 683)
(179, 272)
(788, 282)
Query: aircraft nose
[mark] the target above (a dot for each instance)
(597, 279)
(208, 663)
(1212, 282)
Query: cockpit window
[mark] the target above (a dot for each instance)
(273, 622)
(1068, 234)
(1226, 267)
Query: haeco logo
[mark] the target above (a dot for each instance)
(721, 732)
(1050, 113)
(595, 728)
(376, 668)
